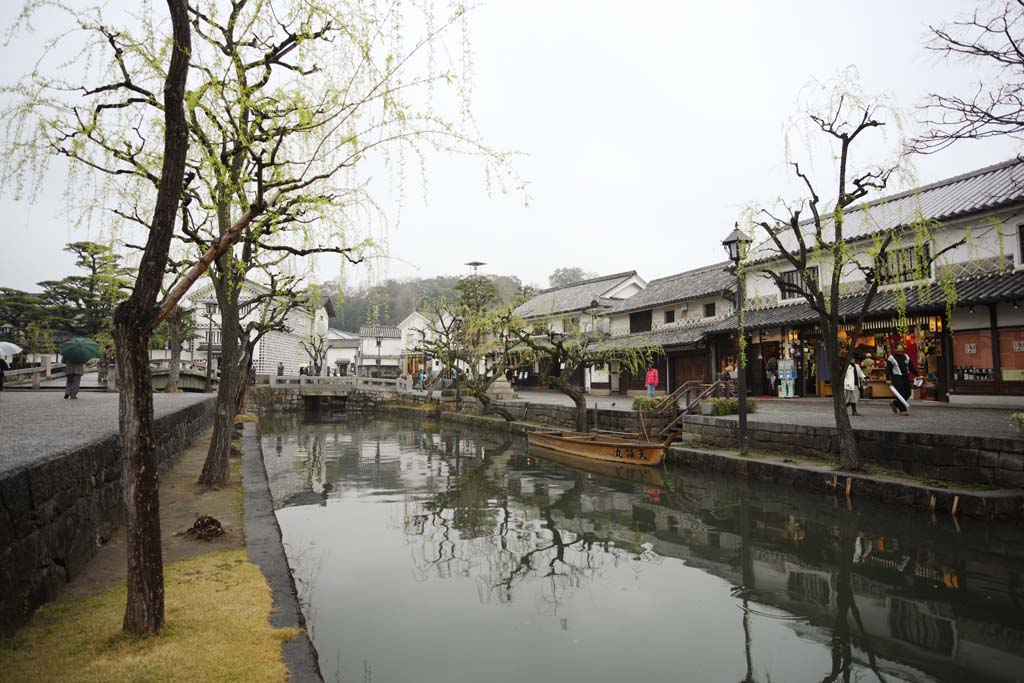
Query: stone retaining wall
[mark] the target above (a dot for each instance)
(55, 513)
(565, 416)
(853, 487)
(964, 459)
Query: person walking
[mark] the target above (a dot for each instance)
(772, 369)
(853, 380)
(652, 381)
(897, 374)
(4, 367)
(104, 368)
(74, 372)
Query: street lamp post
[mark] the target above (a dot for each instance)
(211, 306)
(379, 338)
(736, 246)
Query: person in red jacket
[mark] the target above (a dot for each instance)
(652, 381)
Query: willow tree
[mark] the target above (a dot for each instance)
(293, 96)
(318, 86)
(808, 250)
(473, 336)
(565, 349)
(75, 114)
(287, 100)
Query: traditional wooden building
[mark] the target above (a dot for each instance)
(969, 345)
(673, 313)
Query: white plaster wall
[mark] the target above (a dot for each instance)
(619, 325)
(983, 242)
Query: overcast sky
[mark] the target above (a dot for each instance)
(645, 127)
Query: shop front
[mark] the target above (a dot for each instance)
(925, 343)
(987, 344)
(801, 349)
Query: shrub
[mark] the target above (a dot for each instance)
(1017, 422)
(645, 404)
(731, 406)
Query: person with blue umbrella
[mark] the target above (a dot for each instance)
(76, 352)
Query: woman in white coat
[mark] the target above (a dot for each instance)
(852, 382)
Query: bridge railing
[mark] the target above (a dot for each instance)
(183, 366)
(347, 382)
(33, 376)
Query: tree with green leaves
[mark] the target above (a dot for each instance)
(472, 339)
(286, 119)
(563, 277)
(83, 305)
(577, 346)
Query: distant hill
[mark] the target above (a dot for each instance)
(393, 300)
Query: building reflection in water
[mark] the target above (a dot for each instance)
(878, 586)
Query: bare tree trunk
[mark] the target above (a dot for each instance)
(134, 320)
(215, 469)
(849, 457)
(175, 321)
(145, 608)
(244, 368)
(487, 406)
(577, 397)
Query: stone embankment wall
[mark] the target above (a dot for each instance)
(264, 400)
(964, 459)
(565, 416)
(55, 513)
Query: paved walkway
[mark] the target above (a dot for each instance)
(927, 417)
(36, 425)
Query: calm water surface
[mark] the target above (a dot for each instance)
(427, 554)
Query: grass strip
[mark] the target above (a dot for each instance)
(217, 629)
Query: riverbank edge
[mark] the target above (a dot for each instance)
(1001, 504)
(265, 548)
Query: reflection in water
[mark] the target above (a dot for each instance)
(425, 553)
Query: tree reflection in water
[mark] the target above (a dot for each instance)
(474, 527)
(882, 598)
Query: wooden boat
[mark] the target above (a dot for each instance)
(601, 447)
(637, 474)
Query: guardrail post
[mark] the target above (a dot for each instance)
(35, 379)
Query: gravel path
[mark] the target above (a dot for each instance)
(36, 425)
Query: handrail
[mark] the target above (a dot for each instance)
(711, 388)
(674, 397)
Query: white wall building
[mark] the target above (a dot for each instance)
(380, 351)
(582, 305)
(275, 347)
(972, 353)
(341, 351)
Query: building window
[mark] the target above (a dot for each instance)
(793, 285)
(670, 317)
(1020, 242)
(640, 322)
(905, 265)
(709, 310)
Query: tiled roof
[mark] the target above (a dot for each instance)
(574, 297)
(976, 290)
(385, 331)
(665, 338)
(692, 284)
(984, 189)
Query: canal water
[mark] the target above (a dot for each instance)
(428, 554)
